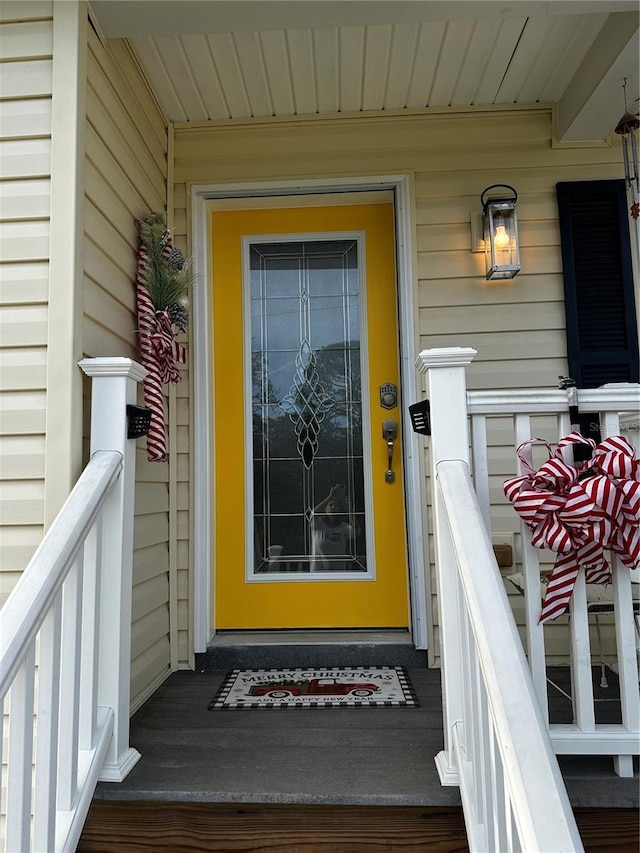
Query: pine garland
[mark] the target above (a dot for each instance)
(168, 275)
(162, 283)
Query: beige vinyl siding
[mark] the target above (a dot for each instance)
(26, 82)
(26, 39)
(517, 326)
(125, 180)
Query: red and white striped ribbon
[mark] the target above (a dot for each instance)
(579, 511)
(159, 354)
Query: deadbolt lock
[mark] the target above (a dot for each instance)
(388, 396)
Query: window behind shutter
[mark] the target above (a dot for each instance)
(602, 332)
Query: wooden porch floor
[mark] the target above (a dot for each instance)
(368, 756)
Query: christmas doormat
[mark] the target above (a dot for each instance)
(332, 687)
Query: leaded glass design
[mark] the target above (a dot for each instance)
(307, 404)
(308, 465)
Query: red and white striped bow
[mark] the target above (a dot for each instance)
(578, 511)
(167, 351)
(160, 352)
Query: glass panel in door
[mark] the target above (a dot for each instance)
(309, 508)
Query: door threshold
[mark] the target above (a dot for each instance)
(312, 637)
(312, 648)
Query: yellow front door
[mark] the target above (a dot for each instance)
(308, 521)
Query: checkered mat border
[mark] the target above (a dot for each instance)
(317, 687)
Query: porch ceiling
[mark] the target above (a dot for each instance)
(242, 59)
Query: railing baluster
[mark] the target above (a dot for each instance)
(467, 699)
(581, 673)
(627, 659)
(610, 424)
(516, 845)
(92, 564)
(499, 797)
(531, 574)
(509, 827)
(564, 425)
(45, 791)
(70, 687)
(4, 735)
(480, 461)
(625, 631)
(483, 774)
(20, 755)
(473, 720)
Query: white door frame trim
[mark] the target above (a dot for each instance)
(201, 366)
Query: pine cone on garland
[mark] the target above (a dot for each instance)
(176, 260)
(179, 315)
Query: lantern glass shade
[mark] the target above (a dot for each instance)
(501, 245)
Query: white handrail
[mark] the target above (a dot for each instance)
(32, 597)
(613, 397)
(515, 736)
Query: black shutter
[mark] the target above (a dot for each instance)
(602, 332)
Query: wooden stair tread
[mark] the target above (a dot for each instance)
(122, 827)
(180, 827)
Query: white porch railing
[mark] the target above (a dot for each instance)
(65, 639)
(527, 412)
(496, 744)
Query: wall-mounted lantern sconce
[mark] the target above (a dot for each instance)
(500, 230)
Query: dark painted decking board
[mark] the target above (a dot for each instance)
(370, 756)
(373, 756)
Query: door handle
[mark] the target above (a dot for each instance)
(389, 433)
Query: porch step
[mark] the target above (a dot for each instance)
(278, 649)
(168, 827)
(130, 827)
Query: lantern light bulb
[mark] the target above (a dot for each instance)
(501, 238)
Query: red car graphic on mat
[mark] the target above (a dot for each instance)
(313, 687)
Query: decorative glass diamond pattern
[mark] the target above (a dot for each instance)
(306, 404)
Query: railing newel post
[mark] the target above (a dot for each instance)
(445, 369)
(114, 385)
